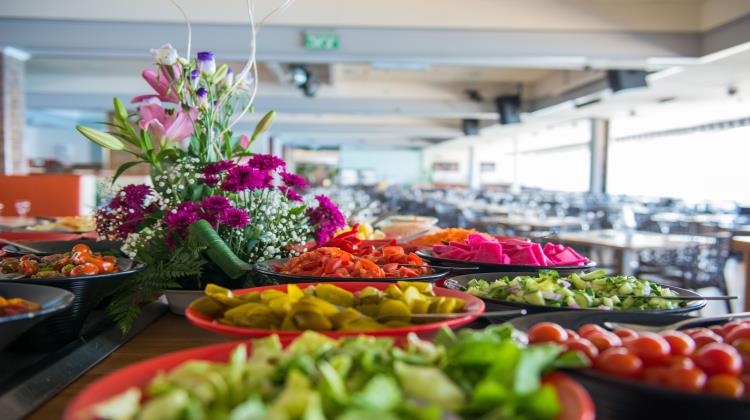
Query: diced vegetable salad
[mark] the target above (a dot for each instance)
(470, 374)
(594, 290)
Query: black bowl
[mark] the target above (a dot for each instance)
(88, 291)
(60, 247)
(52, 300)
(461, 283)
(483, 267)
(266, 268)
(627, 399)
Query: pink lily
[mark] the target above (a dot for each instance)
(165, 126)
(161, 83)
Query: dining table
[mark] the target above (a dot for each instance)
(534, 223)
(167, 334)
(627, 244)
(742, 244)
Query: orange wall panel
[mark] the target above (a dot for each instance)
(50, 195)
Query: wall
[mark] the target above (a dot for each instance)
(63, 144)
(394, 166)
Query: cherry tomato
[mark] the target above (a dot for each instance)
(725, 384)
(692, 331)
(625, 333)
(82, 248)
(655, 374)
(686, 379)
(652, 348)
(731, 325)
(702, 339)
(717, 329)
(29, 257)
(587, 329)
(545, 332)
(746, 383)
(84, 270)
(680, 361)
(604, 340)
(109, 258)
(572, 333)
(743, 347)
(29, 267)
(742, 331)
(719, 358)
(679, 343)
(584, 346)
(619, 361)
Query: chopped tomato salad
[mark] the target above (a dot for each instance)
(386, 262)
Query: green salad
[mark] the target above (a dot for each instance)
(594, 290)
(469, 374)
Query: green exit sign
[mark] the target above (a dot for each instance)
(321, 41)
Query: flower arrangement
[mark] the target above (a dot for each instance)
(211, 200)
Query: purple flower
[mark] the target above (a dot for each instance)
(326, 218)
(206, 63)
(293, 180)
(194, 77)
(202, 96)
(217, 167)
(234, 218)
(215, 204)
(183, 216)
(134, 195)
(266, 162)
(290, 193)
(210, 180)
(244, 177)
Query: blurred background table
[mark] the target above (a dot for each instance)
(742, 244)
(626, 245)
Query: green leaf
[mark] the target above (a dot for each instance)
(263, 125)
(220, 73)
(218, 251)
(534, 360)
(101, 138)
(124, 167)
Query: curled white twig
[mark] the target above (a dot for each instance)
(189, 27)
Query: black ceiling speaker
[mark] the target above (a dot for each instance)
(509, 108)
(626, 79)
(470, 126)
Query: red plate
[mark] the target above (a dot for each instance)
(575, 401)
(473, 304)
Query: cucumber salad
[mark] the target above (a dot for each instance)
(594, 290)
(467, 374)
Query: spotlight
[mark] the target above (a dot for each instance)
(305, 80)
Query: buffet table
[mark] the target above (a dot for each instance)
(169, 333)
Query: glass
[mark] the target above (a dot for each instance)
(23, 207)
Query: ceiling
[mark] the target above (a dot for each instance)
(404, 71)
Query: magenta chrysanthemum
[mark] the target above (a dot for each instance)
(326, 218)
(215, 204)
(244, 177)
(183, 216)
(290, 193)
(293, 180)
(266, 162)
(217, 168)
(234, 218)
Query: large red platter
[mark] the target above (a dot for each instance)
(575, 401)
(473, 305)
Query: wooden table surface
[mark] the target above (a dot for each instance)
(638, 240)
(169, 333)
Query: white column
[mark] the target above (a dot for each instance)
(475, 182)
(599, 148)
(12, 111)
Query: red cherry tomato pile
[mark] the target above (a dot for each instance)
(713, 360)
(80, 262)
